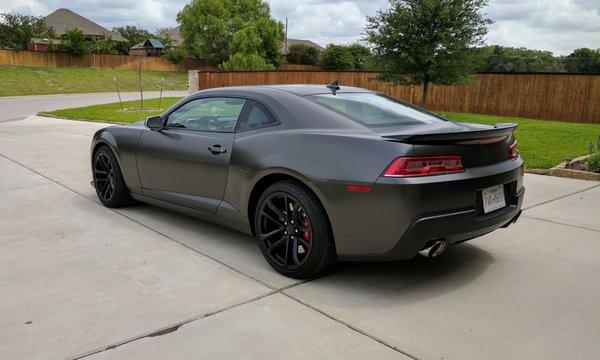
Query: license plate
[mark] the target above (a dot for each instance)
(493, 198)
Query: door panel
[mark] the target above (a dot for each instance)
(176, 165)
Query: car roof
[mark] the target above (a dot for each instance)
(296, 89)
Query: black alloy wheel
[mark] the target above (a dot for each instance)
(285, 230)
(104, 176)
(293, 230)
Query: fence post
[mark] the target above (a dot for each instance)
(193, 81)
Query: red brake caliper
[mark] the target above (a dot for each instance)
(306, 233)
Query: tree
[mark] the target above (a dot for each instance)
(419, 42)
(74, 42)
(362, 55)
(218, 29)
(507, 59)
(133, 34)
(302, 54)
(583, 60)
(337, 57)
(245, 62)
(175, 55)
(16, 31)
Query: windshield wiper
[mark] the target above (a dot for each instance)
(177, 125)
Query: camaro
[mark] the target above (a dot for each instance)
(317, 173)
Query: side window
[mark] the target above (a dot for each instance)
(256, 116)
(209, 114)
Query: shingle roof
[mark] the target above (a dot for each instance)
(291, 42)
(149, 43)
(63, 19)
(175, 35)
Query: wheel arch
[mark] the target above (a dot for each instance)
(267, 180)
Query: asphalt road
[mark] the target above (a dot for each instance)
(19, 107)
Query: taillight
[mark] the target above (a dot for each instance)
(423, 166)
(513, 150)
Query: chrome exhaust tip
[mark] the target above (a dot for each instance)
(435, 250)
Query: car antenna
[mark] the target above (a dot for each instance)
(334, 87)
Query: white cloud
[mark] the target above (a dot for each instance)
(556, 25)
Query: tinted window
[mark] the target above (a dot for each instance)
(210, 114)
(372, 109)
(257, 116)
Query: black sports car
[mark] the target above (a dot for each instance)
(317, 173)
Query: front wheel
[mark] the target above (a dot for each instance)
(293, 231)
(108, 179)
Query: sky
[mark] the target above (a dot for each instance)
(556, 25)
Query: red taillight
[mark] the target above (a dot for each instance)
(513, 151)
(423, 166)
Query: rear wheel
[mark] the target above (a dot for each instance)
(293, 231)
(108, 179)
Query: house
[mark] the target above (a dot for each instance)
(174, 35)
(63, 19)
(285, 45)
(149, 47)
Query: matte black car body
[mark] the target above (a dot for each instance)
(325, 152)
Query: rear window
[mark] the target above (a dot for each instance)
(373, 109)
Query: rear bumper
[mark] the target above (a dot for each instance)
(401, 216)
(454, 227)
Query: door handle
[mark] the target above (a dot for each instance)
(217, 149)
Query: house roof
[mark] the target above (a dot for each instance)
(149, 43)
(63, 19)
(291, 42)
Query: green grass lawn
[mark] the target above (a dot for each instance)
(543, 144)
(21, 80)
(112, 112)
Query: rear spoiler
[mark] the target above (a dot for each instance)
(486, 136)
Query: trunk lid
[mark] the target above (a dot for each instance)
(477, 144)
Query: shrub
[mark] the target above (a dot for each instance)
(337, 57)
(175, 55)
(245, 62)
(302, 54)
(74, 42)
(593, 163)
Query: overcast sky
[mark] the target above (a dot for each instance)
(556, 25)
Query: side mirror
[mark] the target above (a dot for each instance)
(154, 123)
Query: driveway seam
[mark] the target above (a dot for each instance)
(560, 197)
(169, 329)
(560, 223)
(175, 327)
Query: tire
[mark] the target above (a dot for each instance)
(297, 242)
(108, 179)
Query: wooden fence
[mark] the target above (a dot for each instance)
(566, 97)
(53, 59)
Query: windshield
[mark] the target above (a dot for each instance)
(373, 109)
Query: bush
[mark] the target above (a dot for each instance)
(74, 42)
(175, 55)
(302, 54)
(245, 62)
(593, 163)
(337, 57)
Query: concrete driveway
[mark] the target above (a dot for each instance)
(80, 280)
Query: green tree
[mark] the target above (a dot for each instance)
(420, 42)
(337, 57)
(74, 42)
(133, 34)
(363, 57)
(302, 54)
(218, 29)
(583, 60)
(16, 31)
(507, 59)
(245, 62)
(175, 55)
